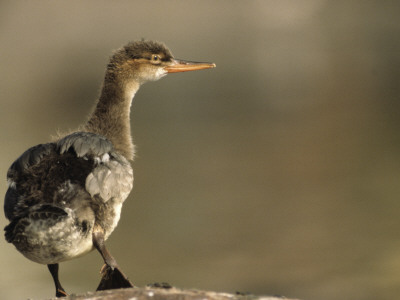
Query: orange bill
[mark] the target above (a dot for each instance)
(185, 66)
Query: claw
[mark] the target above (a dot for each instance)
(103, 270)
(61, 293)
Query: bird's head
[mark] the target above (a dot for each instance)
(148, 61)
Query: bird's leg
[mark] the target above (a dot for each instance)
(112, 276)
(60, 292)
(98, 241)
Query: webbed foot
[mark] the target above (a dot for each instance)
(113, 278)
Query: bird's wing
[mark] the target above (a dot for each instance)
(55, 173)
(17, 170)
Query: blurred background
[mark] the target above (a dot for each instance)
(276, 173)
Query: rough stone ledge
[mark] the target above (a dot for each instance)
(151, 293)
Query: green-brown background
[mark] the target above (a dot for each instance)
(275, 173)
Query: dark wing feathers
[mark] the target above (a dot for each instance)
(10, 202)
(96, 168)
(30, 157)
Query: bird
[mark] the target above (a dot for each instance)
(64, 197)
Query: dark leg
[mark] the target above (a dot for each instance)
(112, 276)
(60, 292)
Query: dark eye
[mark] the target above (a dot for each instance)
(155, 57)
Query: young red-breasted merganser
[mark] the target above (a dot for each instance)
(64, 198)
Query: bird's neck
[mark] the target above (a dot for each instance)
(111, 116)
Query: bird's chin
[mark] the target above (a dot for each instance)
(160, 74)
